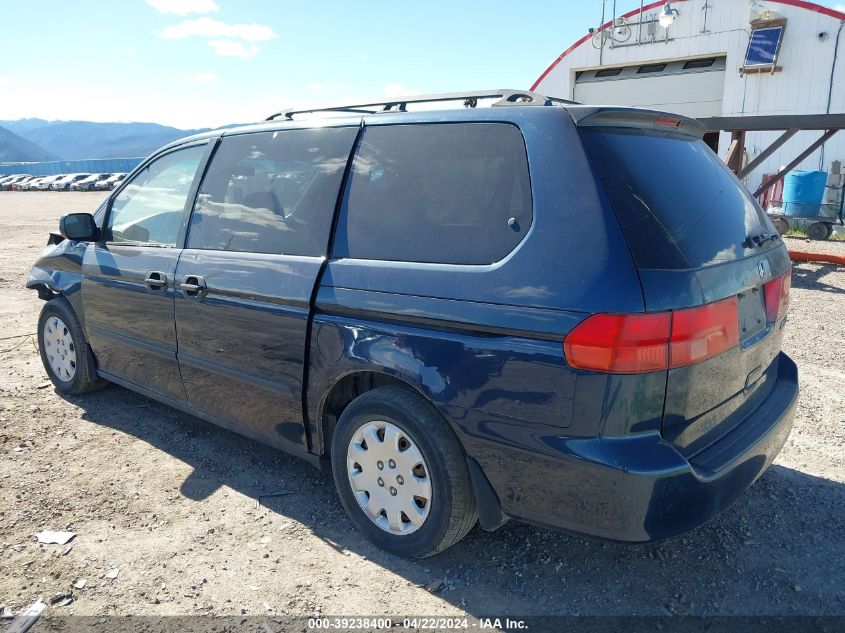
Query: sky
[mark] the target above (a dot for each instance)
(204, 63)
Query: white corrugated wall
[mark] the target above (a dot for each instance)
(802, 87)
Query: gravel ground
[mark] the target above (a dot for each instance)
(827, 247)
(174, 516)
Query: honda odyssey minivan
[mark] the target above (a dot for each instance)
(554, 313)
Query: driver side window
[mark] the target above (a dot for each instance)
(150, 207)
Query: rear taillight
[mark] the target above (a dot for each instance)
(777, 296)
(619, 343)
(640, 343)
(703, 332)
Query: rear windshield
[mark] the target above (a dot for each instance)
(678, 204)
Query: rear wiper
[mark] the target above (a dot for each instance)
(756, 241)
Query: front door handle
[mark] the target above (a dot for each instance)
(155, 280)
(193, 286)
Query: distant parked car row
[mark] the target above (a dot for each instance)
(61, 182)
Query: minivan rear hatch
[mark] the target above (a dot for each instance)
(705, 252)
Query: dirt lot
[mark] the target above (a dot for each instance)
(172, 503)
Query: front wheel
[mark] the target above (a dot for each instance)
(401, 474)
(64, 351)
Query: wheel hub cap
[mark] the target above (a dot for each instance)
(60, 349)
(389, 477)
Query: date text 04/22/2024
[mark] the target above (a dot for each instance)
(417, 623)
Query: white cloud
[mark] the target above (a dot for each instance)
(231, 48)
(398, 90)
(183, 7)
(209, 27)
(200, 78)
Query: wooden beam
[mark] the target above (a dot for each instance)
(761, 70)
(734, 159)
(770, 183)
(754, 164)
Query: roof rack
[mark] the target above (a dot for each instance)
(507, 97)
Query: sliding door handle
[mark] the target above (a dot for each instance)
(193, 286)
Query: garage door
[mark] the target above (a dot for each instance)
(692, 87)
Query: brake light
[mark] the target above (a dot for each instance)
(641, 343)
(777, 296)
(667, 121)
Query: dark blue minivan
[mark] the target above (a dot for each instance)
(560, 314)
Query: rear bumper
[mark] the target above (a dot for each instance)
(636, 488)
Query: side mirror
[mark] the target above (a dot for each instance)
(78, 227)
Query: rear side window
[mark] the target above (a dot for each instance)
(437, 193)
(678, 204)
(271, 192)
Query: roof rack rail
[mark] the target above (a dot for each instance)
(507, 97)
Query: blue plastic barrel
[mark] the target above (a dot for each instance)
(803, 192)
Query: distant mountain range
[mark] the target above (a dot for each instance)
(38, 140)
(15, 148)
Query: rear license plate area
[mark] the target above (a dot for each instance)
(752, 313)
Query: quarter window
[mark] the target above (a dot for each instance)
(271, 192)
(437, 193)
(150, 207)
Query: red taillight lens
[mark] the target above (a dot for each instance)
(619, 343)
(703, 332)
(640, 343)
(777, 296)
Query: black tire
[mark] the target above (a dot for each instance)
(85, 377)
(453, 511)
(818, 231)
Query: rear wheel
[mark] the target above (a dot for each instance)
(401, 473)
(65, 353)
